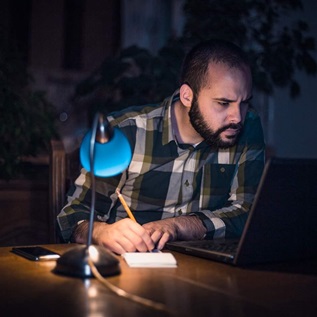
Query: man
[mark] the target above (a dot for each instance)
(197, 161)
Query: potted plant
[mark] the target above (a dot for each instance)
(26, 117)
(135, 76)
(26, 128)
(276, 45)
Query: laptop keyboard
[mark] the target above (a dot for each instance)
(223, 247)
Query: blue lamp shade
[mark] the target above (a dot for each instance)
(110, 158)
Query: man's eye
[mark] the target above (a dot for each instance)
(223, 103)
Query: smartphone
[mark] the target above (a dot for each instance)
(36, 253)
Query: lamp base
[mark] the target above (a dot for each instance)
(75, 262)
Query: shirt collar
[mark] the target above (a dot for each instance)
(167, 121)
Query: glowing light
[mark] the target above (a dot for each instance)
(93, 253)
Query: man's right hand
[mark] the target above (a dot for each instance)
(120, 237)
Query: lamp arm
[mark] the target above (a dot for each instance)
(92, 175)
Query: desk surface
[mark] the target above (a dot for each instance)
(197, 287)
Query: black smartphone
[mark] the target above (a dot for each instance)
(36, 253)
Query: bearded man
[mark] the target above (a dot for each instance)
(197, 159)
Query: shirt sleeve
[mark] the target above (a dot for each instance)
(79, 195)
(79, 202)
(229, 221)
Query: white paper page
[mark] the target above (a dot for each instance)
(150, 259)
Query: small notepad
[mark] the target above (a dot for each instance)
(150, 259)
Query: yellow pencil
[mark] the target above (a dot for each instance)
(125, 206)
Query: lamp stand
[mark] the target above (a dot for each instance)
(75, 261)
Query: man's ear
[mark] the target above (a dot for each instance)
(186, 95)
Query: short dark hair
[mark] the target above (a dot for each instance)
(196, 62)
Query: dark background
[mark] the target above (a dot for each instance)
(63, 41)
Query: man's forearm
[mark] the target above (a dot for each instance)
(80, 233)
(189, 228)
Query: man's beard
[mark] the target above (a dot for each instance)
(211, 137)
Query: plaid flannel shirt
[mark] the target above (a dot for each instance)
(167, 179)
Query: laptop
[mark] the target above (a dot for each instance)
(282, 223)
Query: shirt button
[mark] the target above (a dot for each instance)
(222, 169)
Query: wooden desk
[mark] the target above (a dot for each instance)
(197, 287)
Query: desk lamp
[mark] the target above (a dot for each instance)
(104, 152)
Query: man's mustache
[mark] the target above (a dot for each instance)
(234, 126)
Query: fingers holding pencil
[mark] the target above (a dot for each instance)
(125, 206)
(148, 242)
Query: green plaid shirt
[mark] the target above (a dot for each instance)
(167, 179)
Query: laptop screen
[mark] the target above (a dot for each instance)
(281, 225)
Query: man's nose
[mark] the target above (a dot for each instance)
(234, 113)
